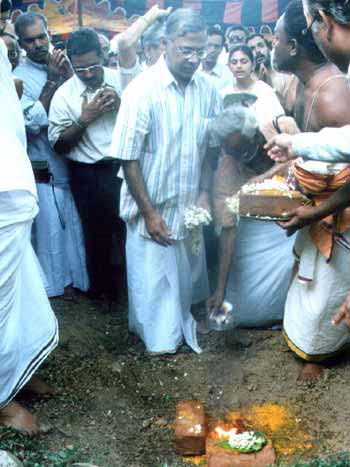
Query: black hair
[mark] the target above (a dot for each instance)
(295, 24)
(82, 41)
(242, 48)
(6, 5)
(216, 31)
(28, 19)
(254, 35)
(184, 21)
(338, 9)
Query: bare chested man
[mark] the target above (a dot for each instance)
(322, 100)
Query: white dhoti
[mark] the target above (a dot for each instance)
(260, 274)
(160, 293)
(61, 251)
(316, 293)
(28, 327)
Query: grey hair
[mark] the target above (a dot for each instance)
(339, 10)
(153, 35)
(184, 21)
(28, 19)
(234, 119)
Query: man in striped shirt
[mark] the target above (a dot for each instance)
(161, 138)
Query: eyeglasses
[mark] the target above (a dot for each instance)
(84, 69)
(189, 52)
(236, 39)
(305, 31)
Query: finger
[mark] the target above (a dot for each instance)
(159, 239)
(339, 317)
(289, 214)
(270, 144)
(85, 101)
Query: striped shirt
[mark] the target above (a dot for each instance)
(165, 129)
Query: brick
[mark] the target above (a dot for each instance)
(221, 457)
(190, 428)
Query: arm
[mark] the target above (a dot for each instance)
(56, 70)
(226, 247)
(69, 137)
(155, 224)
(278, 169)
(307, 215)
(127, 40)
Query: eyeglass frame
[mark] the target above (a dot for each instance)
(193, 52)
(305, 31)
(86, 68)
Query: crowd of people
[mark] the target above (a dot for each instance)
(107, 143)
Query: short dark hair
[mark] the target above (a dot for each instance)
(338, 9)
(6, 5)
(216, 31)
(184, 21)
(294, 24)
(242, 48)
(82, 41)
(254, 35)
(28, 19)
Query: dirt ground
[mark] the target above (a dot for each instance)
(116, 405)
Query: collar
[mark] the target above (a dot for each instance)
(166, 77)
(38, 66)
(216, 71)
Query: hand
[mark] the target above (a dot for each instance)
(93, 110)
(110, 100)
(299, 218)
(343, 314)
(158, 229)
(56, 64)
(216, 300)
(156, 13)
(66, 69)
(279, 148)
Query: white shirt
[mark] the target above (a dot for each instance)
(65, 109)
(266, 107)
(165, 129)
(15, 168)
(220, 76)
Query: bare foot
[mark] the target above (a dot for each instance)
(39, 387)
(310, 372)
(17, 417)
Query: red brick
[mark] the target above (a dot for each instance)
(190, 428)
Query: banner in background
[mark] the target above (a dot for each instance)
(114, 15)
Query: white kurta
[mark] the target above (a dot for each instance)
(160, 293)
(28, 327)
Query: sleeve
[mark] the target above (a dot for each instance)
(59, 118)
(128, 74)
(329, 145)
(35, 115)
(132, 125)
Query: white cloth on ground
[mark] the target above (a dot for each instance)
(260, 273)
(61, 251)
(160, 293)
(28, 326)
(311, 304)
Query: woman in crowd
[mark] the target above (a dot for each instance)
(241, 63)
(255, 257)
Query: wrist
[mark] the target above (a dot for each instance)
(52, 83)
(83, 124)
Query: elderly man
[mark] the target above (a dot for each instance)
(57, 235)
(28, 328)
(218, 73)
(160, 138)
(283, 84)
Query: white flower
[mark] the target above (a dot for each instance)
(245, 440)
(194, 218)
(233, 204)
